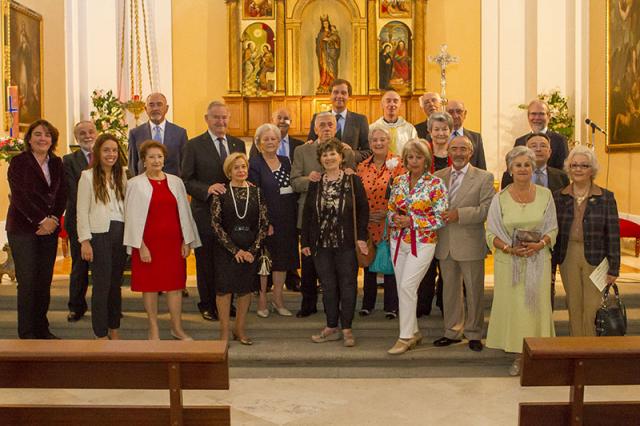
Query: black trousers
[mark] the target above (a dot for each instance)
(34, 257)
(308, 284)
(204, 271)
(338, 272)
(430, 286)
(370, 291)
(109, 257)
(79, 277)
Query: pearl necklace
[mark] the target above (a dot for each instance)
(235, 204)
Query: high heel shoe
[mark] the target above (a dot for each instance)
(417, 337)
(262, 313)
(401, 346)
(243, 340)
(284, 312)
(185, 338)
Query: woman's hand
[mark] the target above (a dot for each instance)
(377, 216)
(270, 230)
(306, 251)
(362, 245)
(145, 254)
(349, 171)
(611, 279)
(243, 256)
(186, 250)
(47, 227)
(533, 248)
(86, 251)
(401, 221)
(520, 251)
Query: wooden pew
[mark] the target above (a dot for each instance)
(578, 362)
(122, 364)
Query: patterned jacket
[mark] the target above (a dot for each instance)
(425, 204)
(601, 227)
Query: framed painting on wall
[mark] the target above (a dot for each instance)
(623, 75)
(395, 9)
(257, 9)
(22, 43)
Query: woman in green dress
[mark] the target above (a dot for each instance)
(522, 270)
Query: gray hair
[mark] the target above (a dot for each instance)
(591, 157)
(442, 117)
(379, 128)
(264, 128)
(466, 140)
(420, 146)
(519, 151)
(214, 104)
(325, 114)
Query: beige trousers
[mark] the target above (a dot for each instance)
(583, 297)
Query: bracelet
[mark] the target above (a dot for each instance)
(505, 249)
(544, 243)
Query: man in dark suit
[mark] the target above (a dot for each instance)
(430, 102)
(85, 134)
(538, 116)
(458, 113)
(173, 137)
(351, 128)
(202, 173)
(288, 145)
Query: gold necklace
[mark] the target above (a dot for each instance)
(518, 199)
(581, 198)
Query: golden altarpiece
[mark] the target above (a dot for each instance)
(286, 53)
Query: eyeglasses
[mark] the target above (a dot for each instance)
(576, 166)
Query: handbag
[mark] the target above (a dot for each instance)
(264, 263)
(364, 260)
(382, 263)
(521, 236)
(611, 317)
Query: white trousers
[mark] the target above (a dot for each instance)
(410, 270)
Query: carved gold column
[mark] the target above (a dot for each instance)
(293, 55)
(372, 43)
(233, 35)
(419, 31)
(281, 54)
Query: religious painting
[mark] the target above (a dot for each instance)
(394, 62)
(328, 53)
(258, 62)
(24, 48)
(257, 9)
(623, 77)
(395, 9)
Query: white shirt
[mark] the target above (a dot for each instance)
(460, 132)
(162, 126)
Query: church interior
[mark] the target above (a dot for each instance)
(72, 61)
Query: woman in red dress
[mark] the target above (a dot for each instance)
(160, 233)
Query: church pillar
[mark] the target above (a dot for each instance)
(372, 43)
(281, 55)
(293, 64)
(419, 28)
(233, 31)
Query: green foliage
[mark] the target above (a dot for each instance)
(561, 120)
(109, 117)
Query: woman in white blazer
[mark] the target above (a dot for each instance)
(159, 233)
(100, 211)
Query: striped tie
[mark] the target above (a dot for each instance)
(455, 184)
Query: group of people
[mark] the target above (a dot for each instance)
(318, 204)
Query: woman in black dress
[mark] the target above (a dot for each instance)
(239, 221)
(270, 172)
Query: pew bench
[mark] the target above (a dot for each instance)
(121, 364)
(578, 362)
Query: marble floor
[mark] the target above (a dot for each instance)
(441, 401)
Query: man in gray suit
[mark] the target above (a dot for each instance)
(173, 137)
(202, 174)
(458, 112)
(462, 247)
(85, 134)
(351, 128)
(306, 168)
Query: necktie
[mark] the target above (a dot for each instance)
(539, 179)
(338, 126)
(455, 184)
(157, 134)
(282, 149)
(222, 150)
(89, 158)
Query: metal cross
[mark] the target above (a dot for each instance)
(443, 59)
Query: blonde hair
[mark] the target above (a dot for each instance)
(420, 146)
(230, 160)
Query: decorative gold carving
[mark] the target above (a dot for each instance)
(281, 56)
(233, 19)
(372, 45)
(419, 31)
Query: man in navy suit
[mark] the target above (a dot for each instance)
(85, 134)
(538, 116)
(203, 176)
(351, 128)
(173, 137)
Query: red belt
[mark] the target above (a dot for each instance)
(414, 248)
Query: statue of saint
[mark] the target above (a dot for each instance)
(328, 53)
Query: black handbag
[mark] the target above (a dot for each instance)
(611, 317)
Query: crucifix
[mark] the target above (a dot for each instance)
(12, 111)
(443, 59)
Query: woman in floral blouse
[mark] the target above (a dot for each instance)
(417, 202)
(376, 173)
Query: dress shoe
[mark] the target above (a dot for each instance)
(186, 338)
(475, 345)
(365, 312)
(324, 337)
(74, 316)
(262, 313)
(209, 316)
(232, 311)
(303, 313)
(283, 312)
(423, 311)
(401, 346)
(445, 341)
(391, 315)
(49, 336)
(243, 340)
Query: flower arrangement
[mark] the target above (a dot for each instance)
(560, 118)
(10, 147)
(109, 117)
